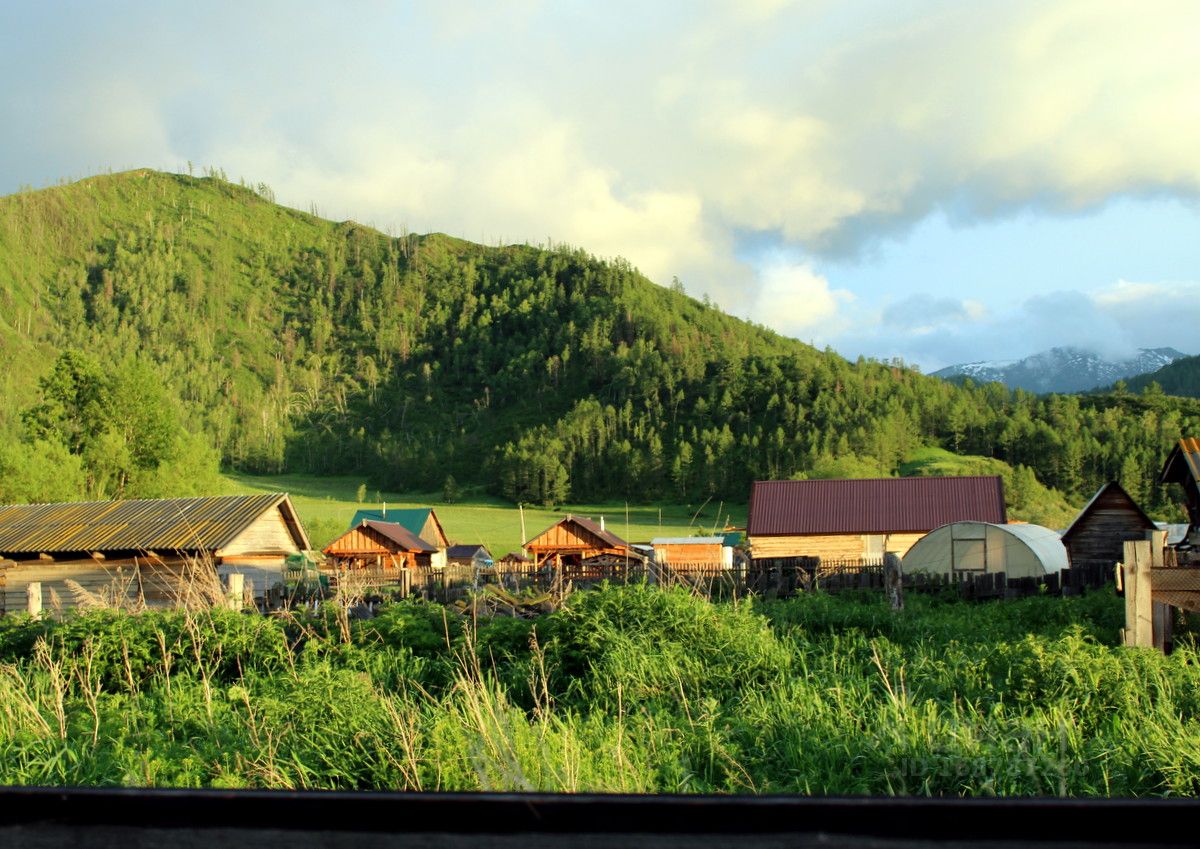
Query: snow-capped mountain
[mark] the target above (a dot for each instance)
(1062, 369)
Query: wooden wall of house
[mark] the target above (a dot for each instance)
(688, 553)
(159, 583)
(268, 533)
(828, 546)
(358, 541)
(431, 532)
(1098, 538)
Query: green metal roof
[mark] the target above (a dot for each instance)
(159, 524)
(413, 519)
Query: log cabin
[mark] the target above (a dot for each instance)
(853, 520)
(421, 521)
(1097, 536)
(379, 545)
(580, 546)
(151, 551)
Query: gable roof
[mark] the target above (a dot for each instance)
(467, 550)
(158, 524)
(606, 536)
(400, 535)
(1110, 487)
(412, 518)
(1183, 463)
(873, 505)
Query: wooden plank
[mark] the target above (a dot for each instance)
(1178, 579)
(1139, 607)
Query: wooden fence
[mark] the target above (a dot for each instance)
(767, 578)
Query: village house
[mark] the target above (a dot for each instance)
(149, 551)
(421, 521)
(580, 547)
(852, 520)
(379, 545)
(1097, 536)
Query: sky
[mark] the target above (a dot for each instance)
(933, 181)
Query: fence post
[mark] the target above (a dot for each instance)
(1139, 615)
(893, 579)
(33, 598)
(1160, 612)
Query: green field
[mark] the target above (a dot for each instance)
(327, 504)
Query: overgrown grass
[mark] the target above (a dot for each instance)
(624, 689)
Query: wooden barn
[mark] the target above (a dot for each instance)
(1098, 534)
(852, 520)
(379, 545)
(580, 546)
(152, 551)
(420, 521)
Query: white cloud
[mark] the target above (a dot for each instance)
(659, 133)
(795, 300)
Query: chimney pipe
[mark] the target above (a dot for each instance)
(601, 523)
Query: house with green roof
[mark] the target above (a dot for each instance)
(422, 521)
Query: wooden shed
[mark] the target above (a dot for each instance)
(1183, 467)
(683, 551)
(577, 544)
(470, 554)
(852, 520)
(1097, 536)
(379, 545)
(151, 551)
(420, 521)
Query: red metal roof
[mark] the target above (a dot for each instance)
(873, 506)
(402, 536)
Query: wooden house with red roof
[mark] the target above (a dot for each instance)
(1098, 534)
(857, 519)
(379, 545)
(579, 546)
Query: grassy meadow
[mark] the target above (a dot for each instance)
(327, 504)
(635, 689)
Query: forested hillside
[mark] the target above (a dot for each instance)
(270, 340)
(1181, 377)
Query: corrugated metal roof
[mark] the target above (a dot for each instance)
(161, 524)
(1183, 463)
(873, 506)
(413, 518)
(604, 534)
(400, 535)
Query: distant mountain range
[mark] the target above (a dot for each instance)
(1061, 369)
(1181, 377)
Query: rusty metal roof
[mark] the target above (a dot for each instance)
(400, 535)
(873, 506)
(160, 524)
(604, 534)
(1183, 463)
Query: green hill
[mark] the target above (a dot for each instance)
(1181, 377)
(213, 325)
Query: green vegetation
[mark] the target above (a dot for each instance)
(1181, 377)
(623, 689)
(282, 343)
(326, 506)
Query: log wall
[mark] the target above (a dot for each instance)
(827, 546)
